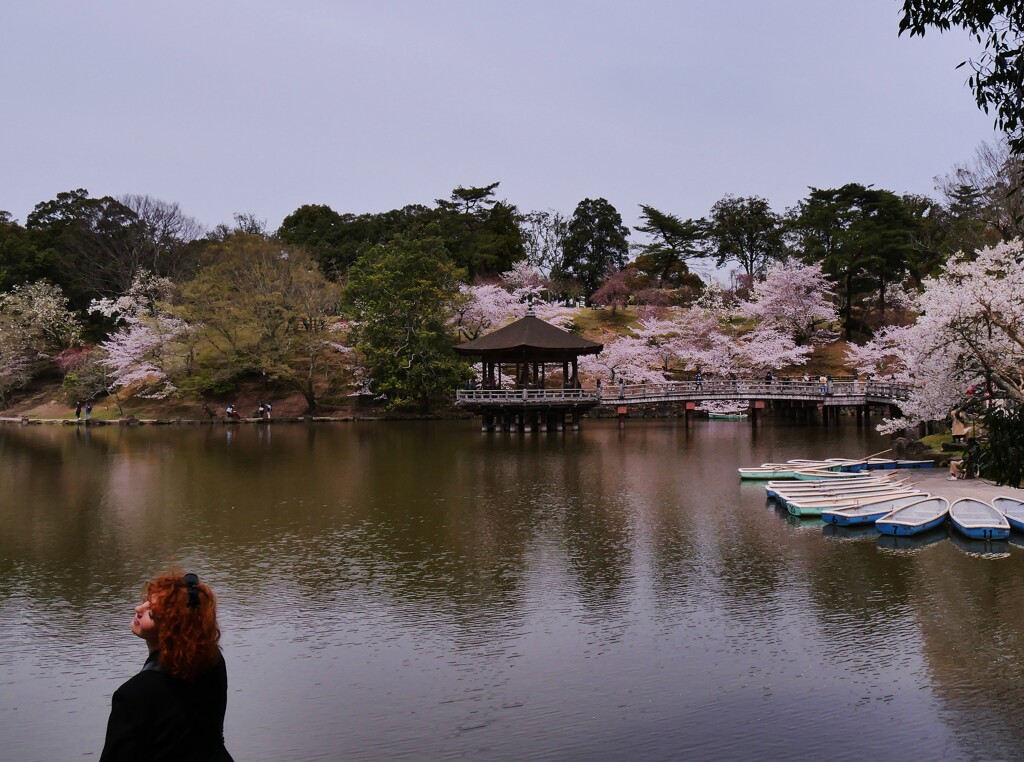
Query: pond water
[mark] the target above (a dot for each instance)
(427, 591)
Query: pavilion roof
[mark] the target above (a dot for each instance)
(530, 336)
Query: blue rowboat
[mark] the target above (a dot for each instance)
(868, 513)
(1012, 509)
(978, 520)
(918, 517)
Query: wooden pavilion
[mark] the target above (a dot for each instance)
(524, 351)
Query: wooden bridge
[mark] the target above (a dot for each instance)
(528, 408)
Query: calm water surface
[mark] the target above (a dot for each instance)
(425, 591)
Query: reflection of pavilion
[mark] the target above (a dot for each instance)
(524, 351)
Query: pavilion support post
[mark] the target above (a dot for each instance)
(565, 374)
(575, 374)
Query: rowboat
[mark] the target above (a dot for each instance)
(918, 517)
(815, 507)
(787, 496)
(868, 513)
(764, 472)
(784, 470)
(809, 474)
(775, 489)
(978, 520)
(1012, 508)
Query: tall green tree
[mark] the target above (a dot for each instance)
(402, 295)
(863, 238)
(999, 71)
(481, 233)
(673, 242)
(746, 231)
(595, 246)
(337, 240)
(265, 310)
(99, 244)
(21, 260)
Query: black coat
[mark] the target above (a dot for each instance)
(155, 717)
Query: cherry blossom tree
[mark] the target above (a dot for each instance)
(149, 347)
(969, 332)
(628, 359)
(143, 355)
(36, 324)
(486, 307)
(614, 292)
(795, 299)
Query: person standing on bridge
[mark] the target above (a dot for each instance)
(768, 377)
(823, 383)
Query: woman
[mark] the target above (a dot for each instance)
(174, 708)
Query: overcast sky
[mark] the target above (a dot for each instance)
(261, 106)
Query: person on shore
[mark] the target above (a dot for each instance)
(965, 467)
(88, 410)
(266, 411)
(231, 413)
(174, 708)
(78, 410)
(261, 410)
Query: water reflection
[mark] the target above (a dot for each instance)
(423, 590)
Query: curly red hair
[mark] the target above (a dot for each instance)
(188, 638)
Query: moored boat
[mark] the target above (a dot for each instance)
(916, 518)
(810, 474)
(868, 513)
(1012, 509)
(792, 487)
(790, 496)
(978, 520)
(806, 508)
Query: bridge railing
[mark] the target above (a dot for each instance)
(714, 389)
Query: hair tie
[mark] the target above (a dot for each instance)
(192, 588)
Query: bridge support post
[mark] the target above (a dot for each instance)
(689, 408)
(575, 420)
(487, 422)
(756, 412)
(622, 410)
